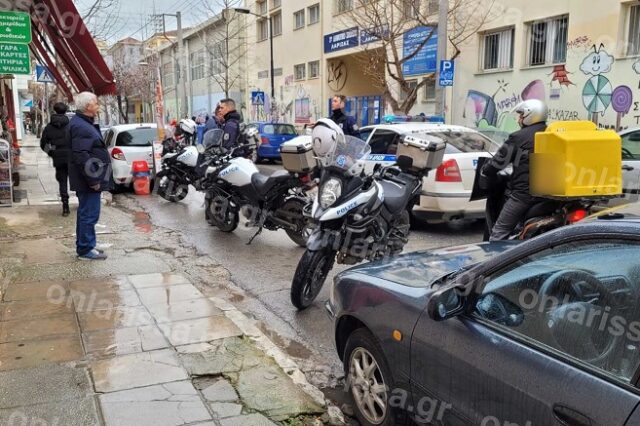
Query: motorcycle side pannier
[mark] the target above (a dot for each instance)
(573, 159)
(425, 150)
(297, 155)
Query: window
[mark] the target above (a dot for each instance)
(276, 4)
(138, 137)
(196, 60)
(279, 129)
(298, 19)
(167, 74)
(314, 14)
(634, 30)
(631, 146)
(314, 69)
(218, 55)
(465, 142)
(411, 9)
(342, 6)
(548, 41)
(412, 86)
(497, 50)
(299, 71)
(263, 29)
(384, 142)
(430, 89)
(261, 7)
(577, 299)
(276, 19)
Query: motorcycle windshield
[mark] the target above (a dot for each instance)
(212, 138)
(348, 156)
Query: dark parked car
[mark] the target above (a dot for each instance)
(544, 332)
(273, 135)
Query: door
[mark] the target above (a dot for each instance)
(631, 165)
(554, 339)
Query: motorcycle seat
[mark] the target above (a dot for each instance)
(263, 183)
(543, 208)
(396, 197)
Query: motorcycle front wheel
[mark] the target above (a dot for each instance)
(170, 189)
(224, 217)
(312, 271)
(294, 208)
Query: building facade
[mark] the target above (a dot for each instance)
(581, 58)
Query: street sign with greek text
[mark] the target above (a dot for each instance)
(14, 59)
(447, 69)
(15, 27)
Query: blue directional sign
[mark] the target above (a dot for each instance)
(446, 73)
(340, 40)
(257, 98)
(425, 61)
(43, 75)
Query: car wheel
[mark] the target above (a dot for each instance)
(369, 379)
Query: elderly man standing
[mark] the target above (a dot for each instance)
(89, 173)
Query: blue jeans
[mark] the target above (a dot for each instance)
(88, 215)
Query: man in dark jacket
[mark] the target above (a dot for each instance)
(89, 173)
(346, 122)
(231, 126)
(55, 142)
(516, 150)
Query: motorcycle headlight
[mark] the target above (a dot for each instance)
(330, 193)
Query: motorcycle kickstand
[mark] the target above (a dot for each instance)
(255, 235)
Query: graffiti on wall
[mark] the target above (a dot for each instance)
(597, 91)
(337, 75)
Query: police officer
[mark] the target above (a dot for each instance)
(346, 122)
(532, 116)
(231, 126)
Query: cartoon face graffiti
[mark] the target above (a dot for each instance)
(597, 62)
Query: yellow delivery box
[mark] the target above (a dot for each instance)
(573, 159)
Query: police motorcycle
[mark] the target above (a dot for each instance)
(186, 165)
(359, 215)
(271, 202)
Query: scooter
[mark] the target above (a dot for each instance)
(360, 216)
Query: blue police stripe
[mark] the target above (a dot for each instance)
(381, 157)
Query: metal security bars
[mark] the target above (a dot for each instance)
(497, 50)
(634, 31)
(548, 41)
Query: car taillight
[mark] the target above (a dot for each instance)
(264, 140)
(117, 154)
(577, 215)
(448, 171)
(305, 179)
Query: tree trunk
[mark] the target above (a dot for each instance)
(123, 116)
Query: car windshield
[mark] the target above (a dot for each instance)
(463, 142)
(279, 129)
(137, 137)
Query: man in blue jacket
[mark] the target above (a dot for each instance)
(89, 173)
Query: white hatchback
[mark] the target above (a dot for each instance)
(446, 190)
(128, 143)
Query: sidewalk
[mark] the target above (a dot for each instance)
(138, 339)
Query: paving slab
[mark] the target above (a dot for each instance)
(76, 412)
(220, 391)
(169, 295)
(121, 317)
(137, 370)
(250, 419)
(223, 410)
(157, 280)
(43, 290)
(199, 330)
(97, 300)
(17, 355)
(188, 309)
(220, 357)
(124, 341)
(30, 309)
(42, 251)
(169, 404)
(42, 328)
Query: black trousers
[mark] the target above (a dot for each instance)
(62, 176)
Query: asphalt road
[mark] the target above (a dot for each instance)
(264, 269)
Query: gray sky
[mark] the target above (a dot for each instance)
(133, 15)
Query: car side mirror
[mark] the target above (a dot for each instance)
(446, 303)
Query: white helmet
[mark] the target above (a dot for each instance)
(533, 111)
(325, 135)
(188, 126)
(252, 135)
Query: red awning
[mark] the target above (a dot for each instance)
(58, 22)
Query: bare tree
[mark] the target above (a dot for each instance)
(133, 82)
(225, 43)
(102, 18)
(388, 21)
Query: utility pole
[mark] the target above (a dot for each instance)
(441, 92)
(184, 111)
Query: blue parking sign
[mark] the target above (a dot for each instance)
(446, 73)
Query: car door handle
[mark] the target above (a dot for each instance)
(627, 168)
(570, 417)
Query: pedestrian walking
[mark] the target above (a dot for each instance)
(346, 122)
(55, 142)
(89, 173)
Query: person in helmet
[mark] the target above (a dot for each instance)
(532, 117)
(346, 122)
